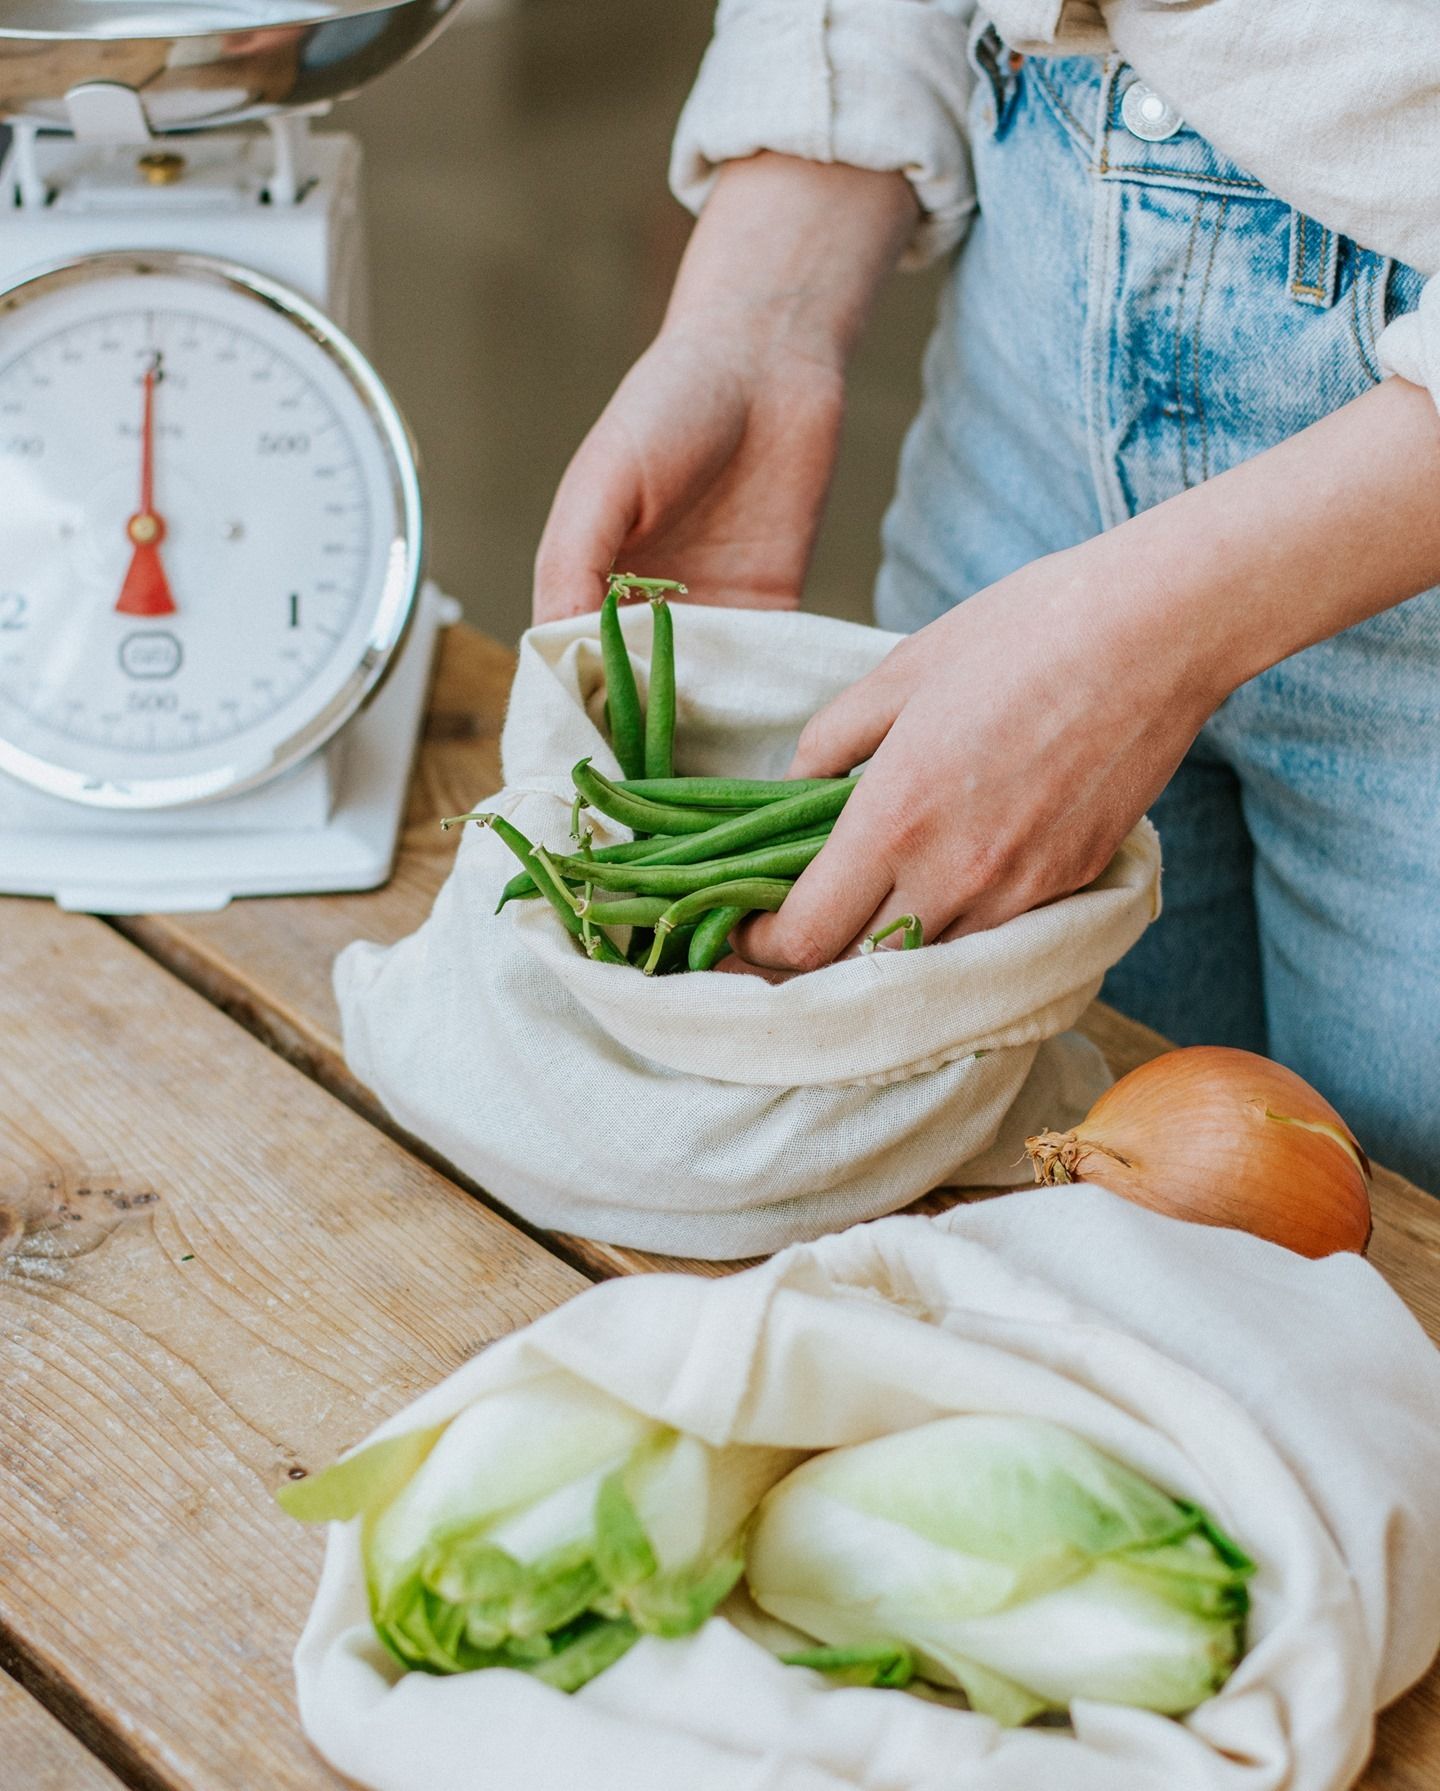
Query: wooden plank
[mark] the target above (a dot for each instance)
(267, 963)
(212, 1275)
(38, 1754)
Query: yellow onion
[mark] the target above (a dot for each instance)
(1222, 1137)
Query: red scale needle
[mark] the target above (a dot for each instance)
(146, 590)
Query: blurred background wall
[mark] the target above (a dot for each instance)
(523, 242)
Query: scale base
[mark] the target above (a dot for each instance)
(330, 826)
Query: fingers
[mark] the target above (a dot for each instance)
(833, 899)
(593, 512)
(847, 731)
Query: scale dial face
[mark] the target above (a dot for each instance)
(209, 530)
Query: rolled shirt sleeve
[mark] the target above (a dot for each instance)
(879, 84)
(1410, 346)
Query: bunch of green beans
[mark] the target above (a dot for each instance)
(707, 851)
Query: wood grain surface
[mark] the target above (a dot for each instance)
(212, 1275)
(267, 964)
(37, 1753)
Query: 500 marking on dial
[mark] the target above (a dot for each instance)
(185, 531)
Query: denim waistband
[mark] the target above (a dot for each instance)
(1086, 95)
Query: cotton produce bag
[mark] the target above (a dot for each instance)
(1297, 1401)
(719, 1115)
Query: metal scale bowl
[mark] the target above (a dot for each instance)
(202, 63)
(135, 192)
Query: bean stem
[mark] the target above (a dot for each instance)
(660, 697)
(674, 950)
(553, 891)
(522, 887)
(553, 877)
(652, 587)
(749, 893)
(914, 934)
(622, 695)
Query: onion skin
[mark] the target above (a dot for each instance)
(1222, 1137)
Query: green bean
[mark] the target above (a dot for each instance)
(628, 911)
(522, 888)
(642, 851)
(645, 851)
(710, 941)
(635, 812)
(722, 792)
(660, 697)
(682, 879)
(555, 893)
(748, 893)
(807, 812)
(622, 698)
(914, 934)
(660, 849)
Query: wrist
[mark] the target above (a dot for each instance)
(1330, 527)
(1157, 615)
(787, 257)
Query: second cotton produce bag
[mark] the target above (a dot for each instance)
(719, 1115)
(1152, 1340)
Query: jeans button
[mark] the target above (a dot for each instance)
(1147, 116)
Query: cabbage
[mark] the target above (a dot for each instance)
(1005, 1557)
(544, 1528)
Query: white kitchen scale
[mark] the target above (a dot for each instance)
(214, 640)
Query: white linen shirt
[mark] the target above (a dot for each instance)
(1333, 104)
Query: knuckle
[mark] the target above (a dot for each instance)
(804, 951)
(989, 863)
(794, 944)
(910, 828)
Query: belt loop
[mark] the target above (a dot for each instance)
(1314, 262)
(1001, 68)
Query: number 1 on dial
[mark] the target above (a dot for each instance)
(294, 609)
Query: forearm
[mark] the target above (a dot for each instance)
(1337, 524)
(793, 253)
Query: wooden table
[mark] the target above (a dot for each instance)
(220, 1264)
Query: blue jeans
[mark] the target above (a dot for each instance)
(1125, 319)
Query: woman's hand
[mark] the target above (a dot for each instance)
(712, 461)
(1017, 740)
(1013, 744)
(710, 465)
